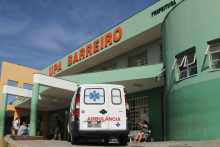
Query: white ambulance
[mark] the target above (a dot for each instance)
(99, 111)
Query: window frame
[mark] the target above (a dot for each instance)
(102, 68)
(160, 75)
(187, 67)
(181, 63)
(210, 54)
(209, 48)
(94, 103)
(112, 96)
(135, 55)
(194, 60)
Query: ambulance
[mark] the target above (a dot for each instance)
(99, 111)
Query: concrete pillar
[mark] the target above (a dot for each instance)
(17, 113)
(34, 105)
(2, 114)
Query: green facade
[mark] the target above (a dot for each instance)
(191, 104)
(152, 56)
(155, 110)
(131, 27)
(140, 72)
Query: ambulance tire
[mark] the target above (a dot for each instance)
(106, 141)
(69, 137)
(74, 140)
(123, 140)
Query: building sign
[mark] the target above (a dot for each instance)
(99, 44)
(96, 46)
(54, 68)
(165, 7)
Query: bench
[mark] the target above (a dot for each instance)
(133, 134)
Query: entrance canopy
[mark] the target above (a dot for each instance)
(58, 95)
(55, 98)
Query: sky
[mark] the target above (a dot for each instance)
(36, 33)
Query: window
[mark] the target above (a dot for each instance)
(214, 53)
(11, 98)
(12, 83)
(139, 111)
(186, 65)
(138, 60)
(27, 86)
(116, 96)
(110, 67)
(160, 53)
(160, 75)
(94, 96)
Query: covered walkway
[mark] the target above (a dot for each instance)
(38, 80)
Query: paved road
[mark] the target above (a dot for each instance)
(52, 143)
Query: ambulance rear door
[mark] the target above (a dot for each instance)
(94, 107)
(117, 110)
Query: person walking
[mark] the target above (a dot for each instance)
(15, 125)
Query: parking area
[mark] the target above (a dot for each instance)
(50, 143)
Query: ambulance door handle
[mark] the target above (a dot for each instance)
(120, 111)
(103, 111)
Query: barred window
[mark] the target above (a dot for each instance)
(139, 111)
(110, 67)
(137, 60)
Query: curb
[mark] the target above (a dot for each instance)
(11, 142)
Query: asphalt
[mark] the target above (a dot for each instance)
(55, 143)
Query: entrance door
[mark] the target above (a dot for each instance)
(94, 107)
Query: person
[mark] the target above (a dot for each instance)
(144, 130)
(23, 130)
(58, 128)
(15, 124)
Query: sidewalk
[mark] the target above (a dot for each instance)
(1, 143)
(50, 143)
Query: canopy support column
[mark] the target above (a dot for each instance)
(2, 114)
(34, 105)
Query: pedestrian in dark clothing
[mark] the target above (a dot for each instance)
(58, 128)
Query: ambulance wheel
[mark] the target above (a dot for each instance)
(106, 141)
(69, 137)
(123, 140)
(74, 140)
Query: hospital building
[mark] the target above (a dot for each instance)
(167, 57)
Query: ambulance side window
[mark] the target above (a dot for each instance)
(116, 96)
(94, 96)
